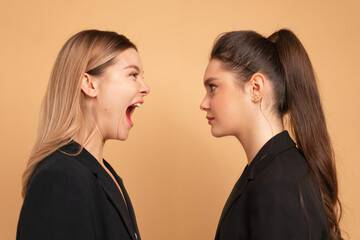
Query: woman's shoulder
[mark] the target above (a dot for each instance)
(290, 164)
(287, 169)
(60, 187)
(285, 173)
(61, 167)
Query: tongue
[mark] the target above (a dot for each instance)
(128, 115)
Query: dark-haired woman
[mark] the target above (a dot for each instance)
(70, 191)
(288, 189)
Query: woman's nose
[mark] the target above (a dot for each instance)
(204, 106)
(145, 90)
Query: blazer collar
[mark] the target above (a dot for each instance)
(107, 183)
(273, 147)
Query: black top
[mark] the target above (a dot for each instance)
(71, 196)
(265, 203)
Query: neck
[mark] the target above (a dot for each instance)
(92, 141)
(255, 138)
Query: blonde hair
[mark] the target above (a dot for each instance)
(62, 110)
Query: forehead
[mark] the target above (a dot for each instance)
(129, 58)
(216, 70)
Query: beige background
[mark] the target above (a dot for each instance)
(177, 174)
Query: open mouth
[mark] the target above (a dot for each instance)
(130, 110)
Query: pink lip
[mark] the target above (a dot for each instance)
(210, 119)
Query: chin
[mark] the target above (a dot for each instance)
(218, 133)
(122, 132)
(121, 136)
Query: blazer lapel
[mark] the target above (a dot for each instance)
(104, 180)
(117, 200)
(273, 147)
(130, 208)
(239, 187)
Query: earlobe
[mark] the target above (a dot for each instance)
(257, 82)
(89, 86)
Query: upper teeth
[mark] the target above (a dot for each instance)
(137, 105)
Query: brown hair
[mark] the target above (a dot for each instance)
(283, 59)
(61, 115)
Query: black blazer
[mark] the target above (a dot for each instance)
(265, 203)
(73, 197)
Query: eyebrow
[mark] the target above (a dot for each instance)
(133, 66)
(210, 79)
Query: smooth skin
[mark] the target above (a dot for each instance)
(107, 97)
(244, 110)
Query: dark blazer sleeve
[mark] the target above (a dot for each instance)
(57, 206)
(275, 211)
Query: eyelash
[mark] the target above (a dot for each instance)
(133, 75)
(212, 87)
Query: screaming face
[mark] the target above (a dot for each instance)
(121, 89)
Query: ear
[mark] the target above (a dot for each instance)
(255, 87)
(89, 85)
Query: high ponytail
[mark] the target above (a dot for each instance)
(283, 59)
(308, 121)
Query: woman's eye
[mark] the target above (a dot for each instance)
(133, 75)
(212, 87)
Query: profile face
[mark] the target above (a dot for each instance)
(121, 89)
(225, 102)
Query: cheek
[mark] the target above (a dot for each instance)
(117, 97)
(223, 106)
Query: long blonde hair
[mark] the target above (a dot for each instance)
(62, 110)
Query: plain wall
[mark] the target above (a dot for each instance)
(177, 174)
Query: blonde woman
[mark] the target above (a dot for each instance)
(69, 190)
